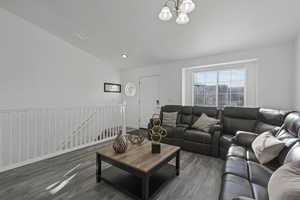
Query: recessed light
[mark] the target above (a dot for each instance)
(124, 55)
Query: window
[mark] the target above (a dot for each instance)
(219, 88)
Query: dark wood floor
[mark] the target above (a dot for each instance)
(72, 176)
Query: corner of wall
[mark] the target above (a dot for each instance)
(296, 75)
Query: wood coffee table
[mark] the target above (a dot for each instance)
(137, 172)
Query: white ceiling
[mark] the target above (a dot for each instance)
(132, 26)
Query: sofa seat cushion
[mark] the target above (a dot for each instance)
(235, 186)
(260, 192)
(174, 132)
(197, 136)
(242, 152)
(236, 166)
(225, 141)
(259, 174)
(172, 141)
(183, 125)
(237, 151)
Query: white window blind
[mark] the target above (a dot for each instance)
(225, 84)
(219, 87)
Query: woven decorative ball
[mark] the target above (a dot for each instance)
(120, 144)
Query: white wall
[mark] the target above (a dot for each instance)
(297, 75)
(38, 69)
(275, 65)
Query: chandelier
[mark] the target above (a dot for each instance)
(179, 8)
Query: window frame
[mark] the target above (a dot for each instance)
(218, 69)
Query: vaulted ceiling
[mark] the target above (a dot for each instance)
(108, 28)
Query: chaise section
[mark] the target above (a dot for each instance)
(259, 192)
(234, 186)
(258, 173)
(237, 166)
(244, 177)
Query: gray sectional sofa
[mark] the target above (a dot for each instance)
(244, 177)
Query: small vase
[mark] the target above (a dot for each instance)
(120, 144)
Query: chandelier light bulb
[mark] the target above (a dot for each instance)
(182, 18)
(187, 6)
(165, 14)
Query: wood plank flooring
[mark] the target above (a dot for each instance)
(72, 176)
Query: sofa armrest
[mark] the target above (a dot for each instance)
(216, 134)
(244, 138)
(242, 198)
(214, 128)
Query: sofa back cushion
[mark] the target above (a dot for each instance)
(289, 134)
(289, 140)
(186, 115)
(239, 119)
(209, 111)
(293, 154)
(292, 123)
(269, 119)
(171, 108)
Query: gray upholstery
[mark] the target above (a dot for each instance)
(294, 154)
(186, 115)
(174, 132)
(244, 176)
(209, 111)
(244, 138)
(256, 120)
(195, 135)
(269, 119)
(239, 119)
(188, 138)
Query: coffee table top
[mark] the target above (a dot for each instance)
(139, 156)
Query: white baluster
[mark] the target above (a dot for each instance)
(34, 133)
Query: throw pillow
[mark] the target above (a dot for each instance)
(285, 182)
(169, 118)
(266, 147)
(204, 123)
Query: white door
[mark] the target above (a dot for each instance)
(148, 99)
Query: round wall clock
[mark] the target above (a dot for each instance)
(130, 89)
